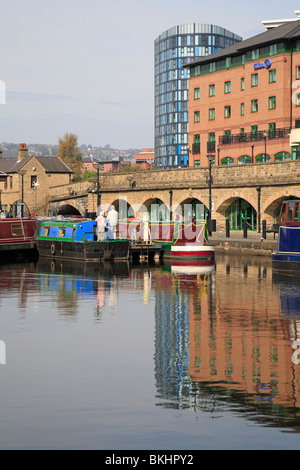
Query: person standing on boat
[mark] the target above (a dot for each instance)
(112, 219)
(101, 225)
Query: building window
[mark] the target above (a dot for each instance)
(227, 136)
(242, 109)
(272, 76)
(197, 163)
(228, 62)
(272, 102)
(227, 111)
(33, 181)
(196, 93)
(297, 72)
(272, 130)
(212, 67)
(243, 83)
(273, 49)
(227, 161)
(254, 106)
(227, 87)
(10, 182)
(254, 131)
(255, 54)
(211, 90)
(297, 99)
(196, 116)
(254, 79)
(244, 159)
(212, 114)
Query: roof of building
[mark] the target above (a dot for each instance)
(51, 164)
(271, 36)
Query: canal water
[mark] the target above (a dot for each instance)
(149, 357)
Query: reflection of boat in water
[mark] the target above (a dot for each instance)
(66, 266)
(76, 239)
(287, 257)
(289, 294)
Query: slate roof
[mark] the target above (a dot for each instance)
(51, 164)
(286, 31)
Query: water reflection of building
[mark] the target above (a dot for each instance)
(227, 333)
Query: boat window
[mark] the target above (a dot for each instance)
(16, 230)
(297, 214)
(69, 233)
(61, 232)
(290, 212)
(283, 211)
(45, 231)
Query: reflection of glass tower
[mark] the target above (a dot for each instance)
(174, 48)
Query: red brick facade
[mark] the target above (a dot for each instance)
(275, 88)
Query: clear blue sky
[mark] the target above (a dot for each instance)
(87, 66)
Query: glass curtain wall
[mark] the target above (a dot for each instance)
(174, 48)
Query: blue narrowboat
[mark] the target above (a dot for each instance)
(287, 257)
(76, 239)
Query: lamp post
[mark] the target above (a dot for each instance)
(22, 173)
(209, 181)
(258, 189)
(252, 153)
(265, 139)
(98, 166)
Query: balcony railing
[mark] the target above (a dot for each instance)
(254, 136)
(211, 147)
(196, 149)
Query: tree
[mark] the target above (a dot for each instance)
(69, 152)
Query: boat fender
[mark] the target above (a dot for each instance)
(52, 249)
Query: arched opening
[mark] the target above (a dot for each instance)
(262, 158)
(124, 209)
(282, 156)
(239, 211)
(157, 210)
(193, 209)
(227, 161)
(68, 210)
(244, 159)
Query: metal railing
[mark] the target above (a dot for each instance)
(254, 136)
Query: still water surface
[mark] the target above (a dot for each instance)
(149, 357)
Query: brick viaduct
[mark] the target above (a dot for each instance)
(277, 181)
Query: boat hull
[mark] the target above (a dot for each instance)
(286, 263)
(115, 250)
(17, 240)
(190, 253)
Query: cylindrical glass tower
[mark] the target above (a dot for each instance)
(174, 48)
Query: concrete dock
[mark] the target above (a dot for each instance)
(236, 243)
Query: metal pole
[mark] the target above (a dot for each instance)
(22, 206)
(98, 190)
(258, 208)
(171, 203)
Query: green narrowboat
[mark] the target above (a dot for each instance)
(76, 239)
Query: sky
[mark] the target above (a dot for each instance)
(87, 66)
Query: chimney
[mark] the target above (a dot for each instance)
(22, 152)
(1, 154)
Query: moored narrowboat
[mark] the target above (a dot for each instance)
(76, 239)
(17, 237)
(287, 257)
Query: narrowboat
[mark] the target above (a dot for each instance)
(76, 239)
(287, 257)
(17, 238)
(177, 240)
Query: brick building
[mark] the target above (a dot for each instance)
(145, 157)
(32, 177)
(244, 101)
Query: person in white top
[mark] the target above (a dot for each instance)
(101, 225)
(112, 219)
